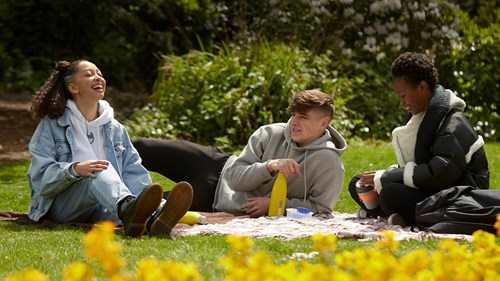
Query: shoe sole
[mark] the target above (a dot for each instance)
(178, 203)
(361, 214)
(396, 220)
(148, 202)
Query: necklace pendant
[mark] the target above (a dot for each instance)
(91, 137)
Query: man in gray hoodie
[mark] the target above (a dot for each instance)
(306, 150)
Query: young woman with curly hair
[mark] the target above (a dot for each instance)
(84, 167)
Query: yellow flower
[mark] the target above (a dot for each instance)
(237, 257)
(414, 262)
(148, 269)
(100, 246)
(424, 275)
(287, 271)
(177, 271)
(449, 261)
(318, 272)
(27, 275)
(241, 244)
(388, 241)
(78, 271)
(324, 243)
(492, 275)
(97, 237)
(121, 277)
(483, 240)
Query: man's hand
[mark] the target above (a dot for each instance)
(288, 167)
(256, 206)
(89, 167)
(367, 179)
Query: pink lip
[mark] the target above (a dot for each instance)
(102, 87)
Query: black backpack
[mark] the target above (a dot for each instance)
(459, 210)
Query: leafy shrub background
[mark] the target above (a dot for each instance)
(221, 98)
(126, 38)
(355, 40)
(344, 47)
(472, 68)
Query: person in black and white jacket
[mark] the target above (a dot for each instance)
(437, 149)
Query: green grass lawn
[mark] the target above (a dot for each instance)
(49, 250)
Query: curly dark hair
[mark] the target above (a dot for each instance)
(50, 99)
(414, 68)
(303, 101)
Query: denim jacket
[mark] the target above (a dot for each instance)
(49, 173)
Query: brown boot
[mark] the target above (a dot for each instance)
(134, 212)
(178, 203)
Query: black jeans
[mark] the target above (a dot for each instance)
(181, 160)
(395, 197)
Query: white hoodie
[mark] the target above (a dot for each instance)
(88, 136)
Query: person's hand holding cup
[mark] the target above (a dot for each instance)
(365, 187)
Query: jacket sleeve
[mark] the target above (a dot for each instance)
(446, 166)
(456, 142)
(47, 176)
(135, 176)
(249, 171)
(324, 182)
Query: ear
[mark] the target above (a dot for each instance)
(325, 121)
(73, 89)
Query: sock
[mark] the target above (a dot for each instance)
(124, 204)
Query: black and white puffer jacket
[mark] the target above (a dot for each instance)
(444, 150)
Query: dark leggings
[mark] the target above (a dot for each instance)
(395, 197)
(181, 160)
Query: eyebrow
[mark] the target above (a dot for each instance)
(92, 69)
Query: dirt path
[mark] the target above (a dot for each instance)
(16, 126)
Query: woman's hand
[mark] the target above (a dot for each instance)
(90, 167)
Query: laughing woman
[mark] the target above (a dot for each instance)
(84, 167)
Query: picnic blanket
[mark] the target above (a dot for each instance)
(340, 224)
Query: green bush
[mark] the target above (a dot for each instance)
(222, 98)
(373, 28)
(344, 47)
(124, 38)
(471, 69)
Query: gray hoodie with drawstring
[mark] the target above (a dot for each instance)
(317, 188)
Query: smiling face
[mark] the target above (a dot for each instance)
(413, 99)
(87, 84)
(308, 126)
